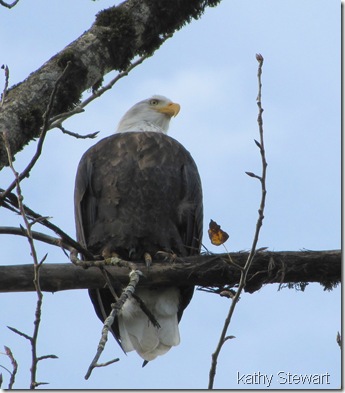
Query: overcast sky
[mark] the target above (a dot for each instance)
(208, 67)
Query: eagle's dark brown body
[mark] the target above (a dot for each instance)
(136, 193)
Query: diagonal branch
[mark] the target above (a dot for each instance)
(41, 139)
(118, 35)
(57, 120)
(116, 307)
(53, 241)
(11, 203)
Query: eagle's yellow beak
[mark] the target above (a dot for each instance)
(171, 109)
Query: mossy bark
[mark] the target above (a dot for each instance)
(135, 27)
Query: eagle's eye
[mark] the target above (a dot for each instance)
(154, 102)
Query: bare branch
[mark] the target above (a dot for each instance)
(78, 136)
(28, 231)
(33, 339)
(244, 272)
(14, 330)
(210, 272)
(116, 307)
(14, 363)
(44, 130)
(11, 203)
(109, 280)
(47, 357)
(54, 241)
(57, 120)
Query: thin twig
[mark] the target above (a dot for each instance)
(7, 78)
(53, 241)
(114, 261)
(47, 357)
(14, 330)
(78, 136)
(14, 363)
(57, 120)
(146, 311)
(223, 338)
(107, 276)
(33, 339)
(11, 203)
(231, 261)
(41, 139)
(28, 231)
(116, 307)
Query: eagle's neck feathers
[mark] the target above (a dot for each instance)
(143, 126)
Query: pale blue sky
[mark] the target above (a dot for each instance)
(209, 67)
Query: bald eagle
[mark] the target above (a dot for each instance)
(138, 191)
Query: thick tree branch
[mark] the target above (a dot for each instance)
(135, 27)
(292, 268)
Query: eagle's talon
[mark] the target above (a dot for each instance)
(167, 256)
(148, 260)
(106, 253)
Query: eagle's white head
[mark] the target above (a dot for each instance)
(152, 114)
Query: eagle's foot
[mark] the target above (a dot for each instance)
(166, 256)
(111, 258)
(107, 253)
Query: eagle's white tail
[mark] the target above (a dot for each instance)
(138, 333)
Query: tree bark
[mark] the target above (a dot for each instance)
(135, 27)
(295, 269)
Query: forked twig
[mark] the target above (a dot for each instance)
(223, 337)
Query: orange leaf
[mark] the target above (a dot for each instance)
(217, 235)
